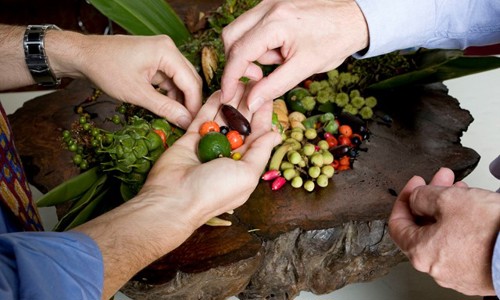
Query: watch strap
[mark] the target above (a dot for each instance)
(36, 59)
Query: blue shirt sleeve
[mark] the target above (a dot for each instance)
(495, 266)
(50, 265)
(439, 24)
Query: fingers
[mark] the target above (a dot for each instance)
(240, 56)
(461, 184)
(245, 22)
(402, 222)
(282, 79)
(443, 177)
(207, 112)
(259, 151)
(187, 80)
(165, 106)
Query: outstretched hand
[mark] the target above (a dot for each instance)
(209, 189)
(179, 195)
(448, 231)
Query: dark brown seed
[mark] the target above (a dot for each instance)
(235, 120)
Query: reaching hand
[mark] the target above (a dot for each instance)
(127, 67)
(448, 230)
(305, 37)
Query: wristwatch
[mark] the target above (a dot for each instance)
(34, 52)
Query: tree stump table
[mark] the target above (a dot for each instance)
(281, 242)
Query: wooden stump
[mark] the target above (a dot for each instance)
(289, 240)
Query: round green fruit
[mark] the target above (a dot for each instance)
(213, 145)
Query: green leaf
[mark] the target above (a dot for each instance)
(146, 17)
(70, 189)
(84, 215)
(90, 195)
(438, 66)
(126, 192)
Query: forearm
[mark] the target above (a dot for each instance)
(130, 238)
(64, 50)
(13, 70)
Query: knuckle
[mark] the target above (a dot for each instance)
(282, 9)
(226, 36)
(168, 108)
(446, 197)
(420, 263)
(165, 41)
(236, 49)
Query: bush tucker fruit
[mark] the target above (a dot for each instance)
(213, 145)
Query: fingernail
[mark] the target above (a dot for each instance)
(183, 121)
(255, 104)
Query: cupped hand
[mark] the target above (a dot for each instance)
(212, 188)
(304, 37)
(127, 67)
(448, 231)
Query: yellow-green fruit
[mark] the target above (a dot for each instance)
(213, 145)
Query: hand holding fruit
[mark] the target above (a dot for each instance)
(205, 190)
(437, 227)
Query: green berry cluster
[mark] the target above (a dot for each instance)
(340, 89)
(336, 93)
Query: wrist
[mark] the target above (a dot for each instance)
(360, 26)
(64, 50)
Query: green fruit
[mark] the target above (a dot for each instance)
(153, 141)
(357, 102)
(294, 99)
(213, 145)
(371, 102)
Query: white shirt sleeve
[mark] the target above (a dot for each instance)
(434, 24)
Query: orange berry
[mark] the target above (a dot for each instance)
(345, 130)
(209, 126)
(235, 139)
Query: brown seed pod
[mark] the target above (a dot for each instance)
(209, 63)
(235, 120)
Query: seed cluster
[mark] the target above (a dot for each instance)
(128, 154)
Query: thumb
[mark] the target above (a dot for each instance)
(168, 108)
(401, 222)
(259, 151)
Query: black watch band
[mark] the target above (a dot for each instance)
(34, 52)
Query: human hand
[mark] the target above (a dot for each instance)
(305, 37)
(210, 189)
(448, 231)
(127, 67)
(179, 195)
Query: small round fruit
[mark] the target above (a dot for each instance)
(235, 139)
(209, 126)
(213, 145)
